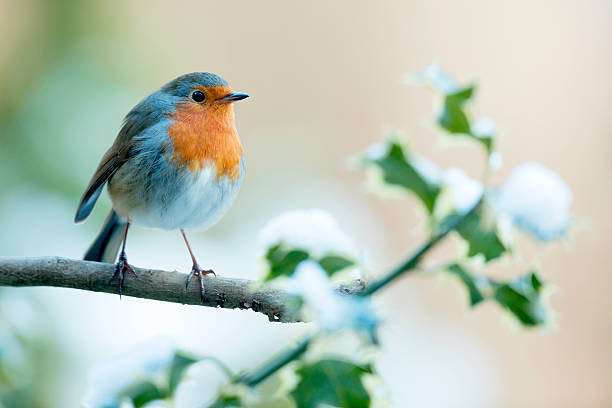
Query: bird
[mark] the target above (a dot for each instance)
(177, 163)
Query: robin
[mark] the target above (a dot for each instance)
(177, 163)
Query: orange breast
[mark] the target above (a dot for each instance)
(206, 134)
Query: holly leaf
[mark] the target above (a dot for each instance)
(522, 298)
(398, 170)
(151, 388)
(333, 382)
(283, 261)
(180, 363)
(335, 263)
(453, 118)
(481, 235)
(143, 392)
(227, 402)
(469, 281)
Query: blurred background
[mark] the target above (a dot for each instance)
(326, 79)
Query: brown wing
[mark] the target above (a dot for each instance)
(140, 118)
(110, 163)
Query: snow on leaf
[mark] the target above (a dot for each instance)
(484, 128)
(415, 174)
(495, 161)
(377, 150)
(537, 200)
(147, 373)
(464, 190)
(180, 363)
(312, 230)
(434, 75)
(428, 169)
(109, 380)
(522, 297)
(333, 311)
(426, 180)
(298, 235)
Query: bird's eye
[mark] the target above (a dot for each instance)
(198, 96)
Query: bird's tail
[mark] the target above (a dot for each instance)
(106, 245)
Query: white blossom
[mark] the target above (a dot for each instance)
(312, 230)
(464, 191)
(108, 379)
(536, 199)
(332, 310)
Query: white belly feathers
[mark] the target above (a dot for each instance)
(170, 197)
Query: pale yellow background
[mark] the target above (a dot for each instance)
(327, 79)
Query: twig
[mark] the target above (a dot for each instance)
(275, 364)
(166, 286)
(411, 263)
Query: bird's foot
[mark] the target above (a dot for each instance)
(120, 268)
(197, 271)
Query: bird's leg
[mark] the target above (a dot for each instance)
(196, 270)
(122, 264)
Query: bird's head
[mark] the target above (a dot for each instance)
(202, 92)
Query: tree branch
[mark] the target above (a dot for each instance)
(153, 284)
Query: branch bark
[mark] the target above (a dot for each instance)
(221, 292)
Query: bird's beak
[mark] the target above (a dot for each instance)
(233, 97)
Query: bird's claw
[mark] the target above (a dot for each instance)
(197, 271)
(120, 267)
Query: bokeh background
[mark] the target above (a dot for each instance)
(326, 79)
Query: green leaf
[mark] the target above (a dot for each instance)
(283, 261)
(469, 281)
(481, 236)
(180, 362)
(398, 170)
(226, 402)
(333, 382)
(453, 118)
(522, 298)
(143, 392)
(335, 263)
(536, 283)
(487, 141)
